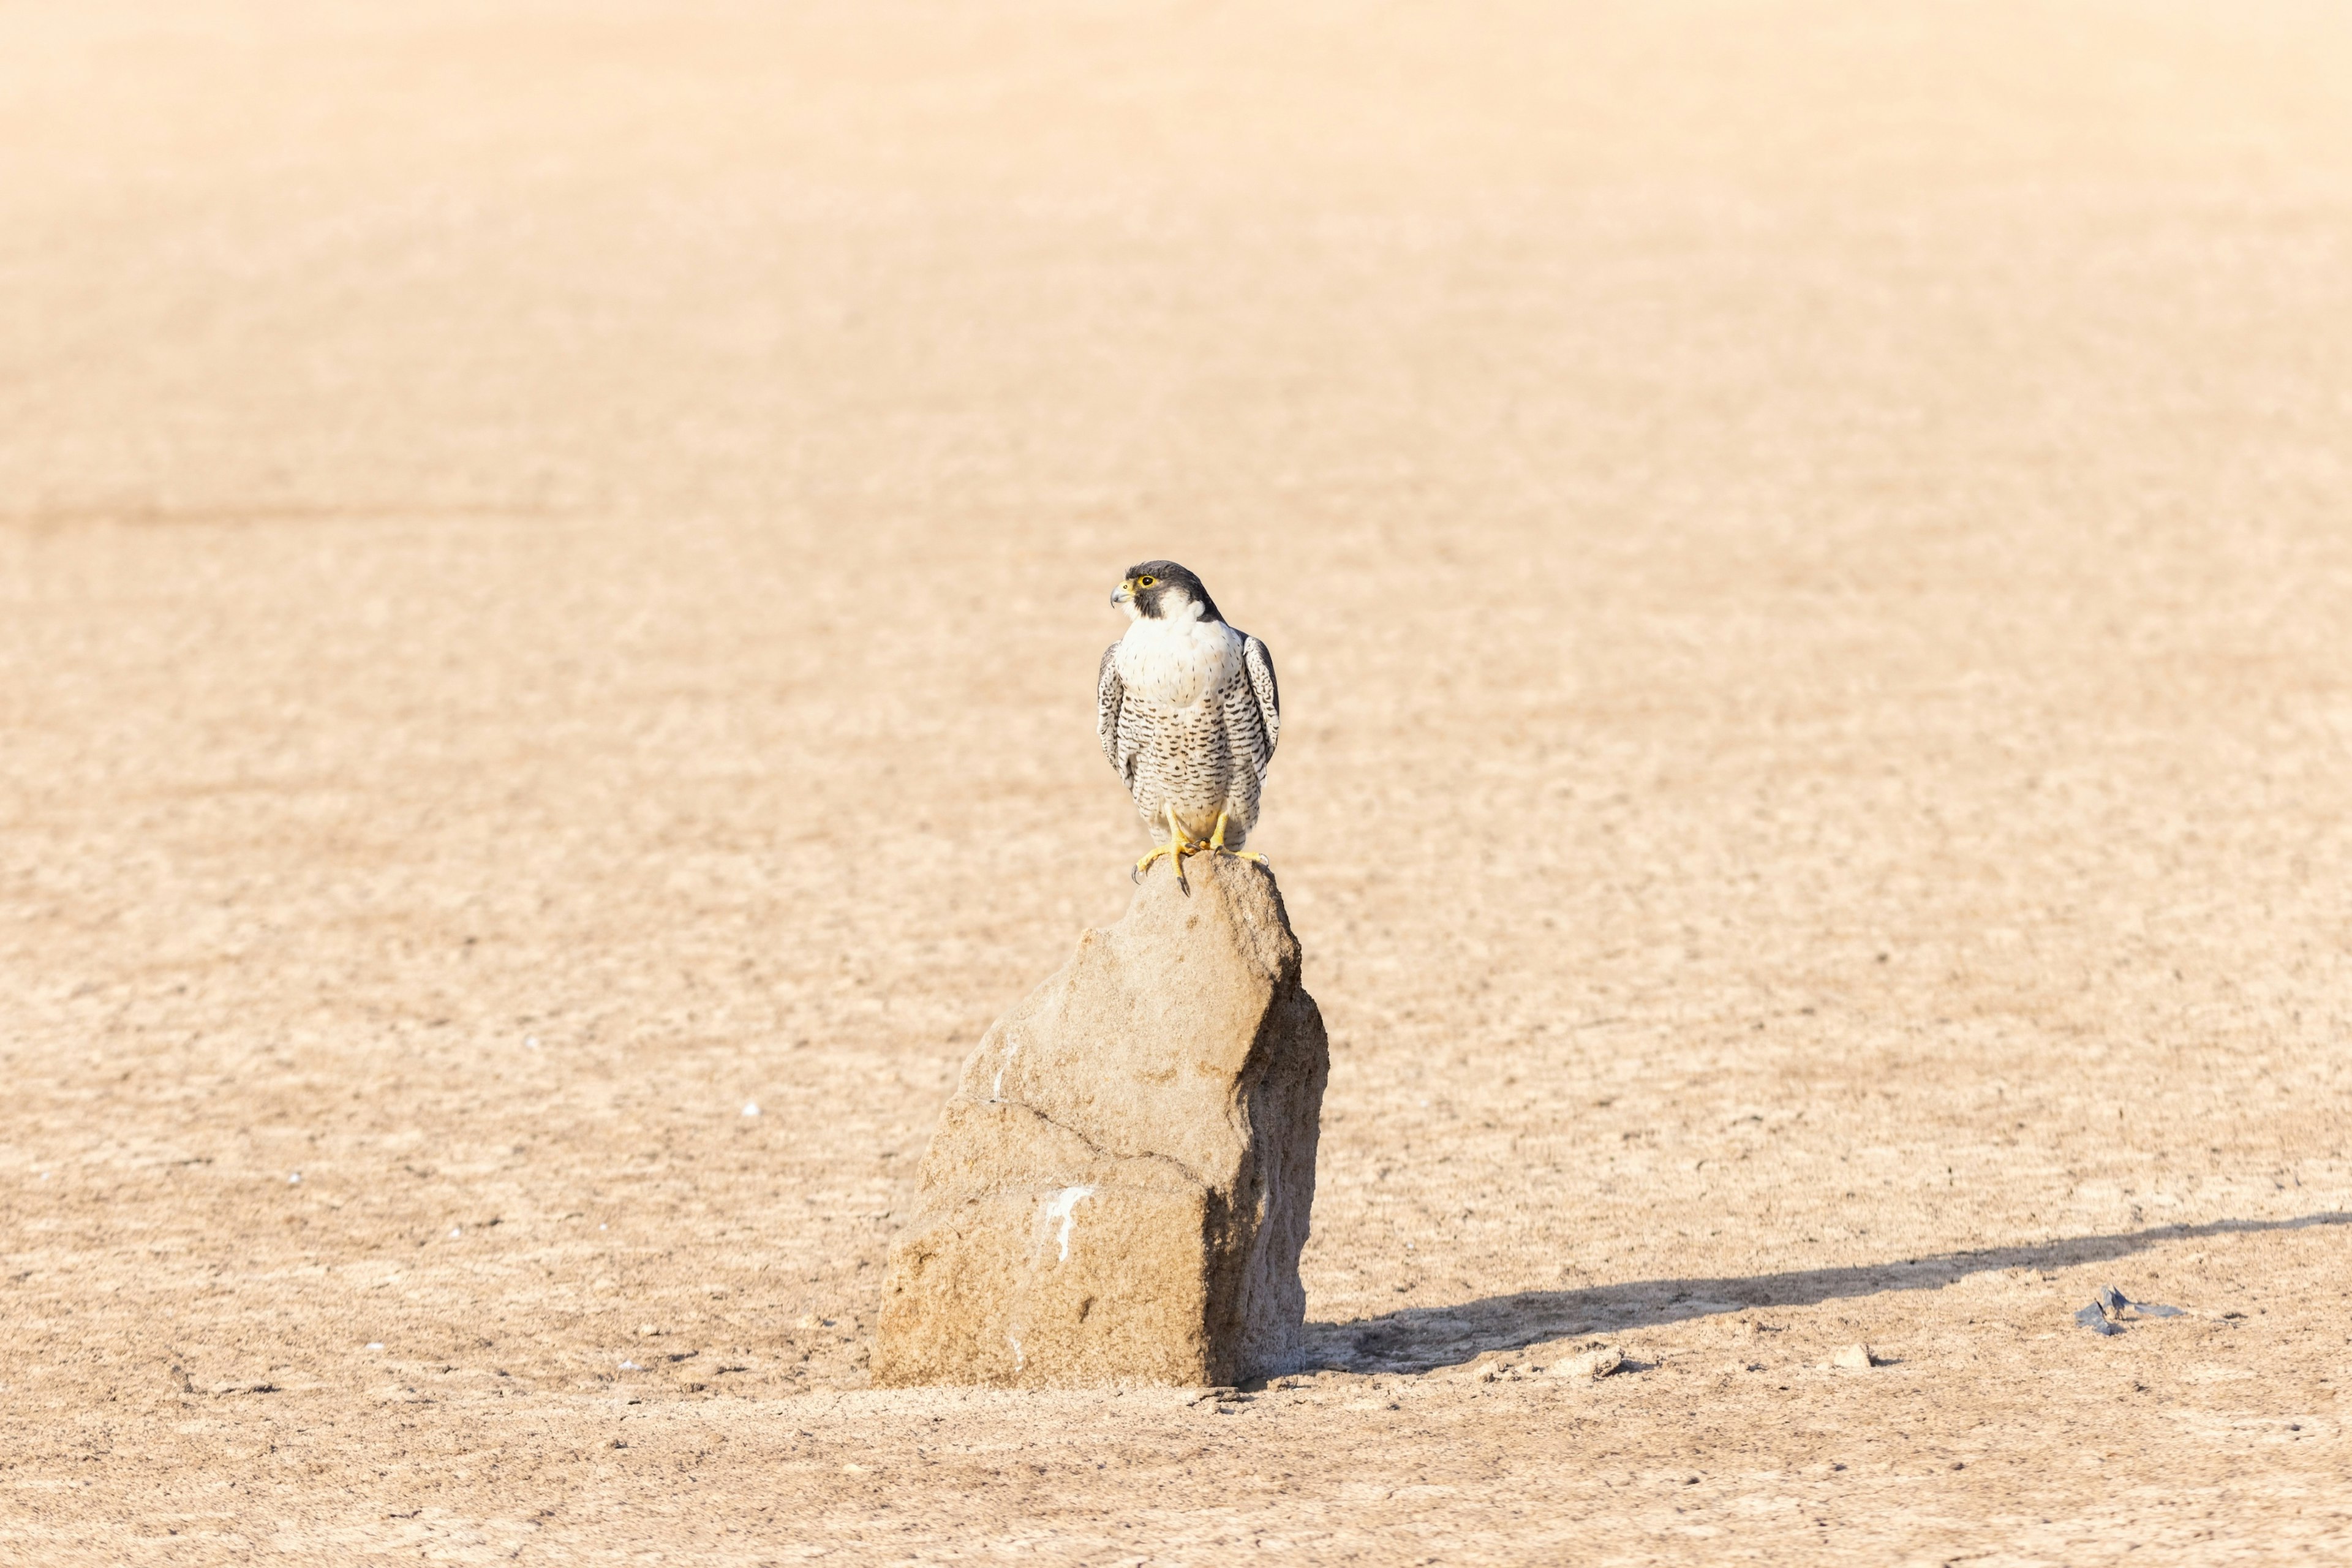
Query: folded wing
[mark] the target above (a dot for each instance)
(1259, 663)
(1109, 694)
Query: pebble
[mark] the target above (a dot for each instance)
(1591, 1363)
(1856, 1357)
(751, 1108)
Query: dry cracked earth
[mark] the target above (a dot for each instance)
(552, 563)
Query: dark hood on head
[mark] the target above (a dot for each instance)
(1164, 573)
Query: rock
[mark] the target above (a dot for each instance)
(1856, 1358)
(1119, 1186)
(1591, 1363)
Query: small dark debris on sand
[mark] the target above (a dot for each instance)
(2107, 1314)
(2096, 1321)
(2118, 1305)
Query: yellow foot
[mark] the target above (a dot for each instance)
(1173, 851)
(1217, 844)
(1176, 849)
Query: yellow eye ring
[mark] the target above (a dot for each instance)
(1145, 581)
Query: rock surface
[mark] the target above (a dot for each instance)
(1120, 1188)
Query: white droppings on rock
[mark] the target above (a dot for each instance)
(631, 1366)
(530, 1042)
(1062, 1208)
(751, 1108)
(455, 1233)
(295, 1180)
(375, 1344)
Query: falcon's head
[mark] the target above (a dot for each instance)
(1163, 591)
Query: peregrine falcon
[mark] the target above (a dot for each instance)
(1188, 715)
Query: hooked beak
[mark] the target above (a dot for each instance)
(1123, 595)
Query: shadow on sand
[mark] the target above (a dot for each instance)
(1420, 1338)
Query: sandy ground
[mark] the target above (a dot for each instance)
(552, 563)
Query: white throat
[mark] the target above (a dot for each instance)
(1176, 662)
